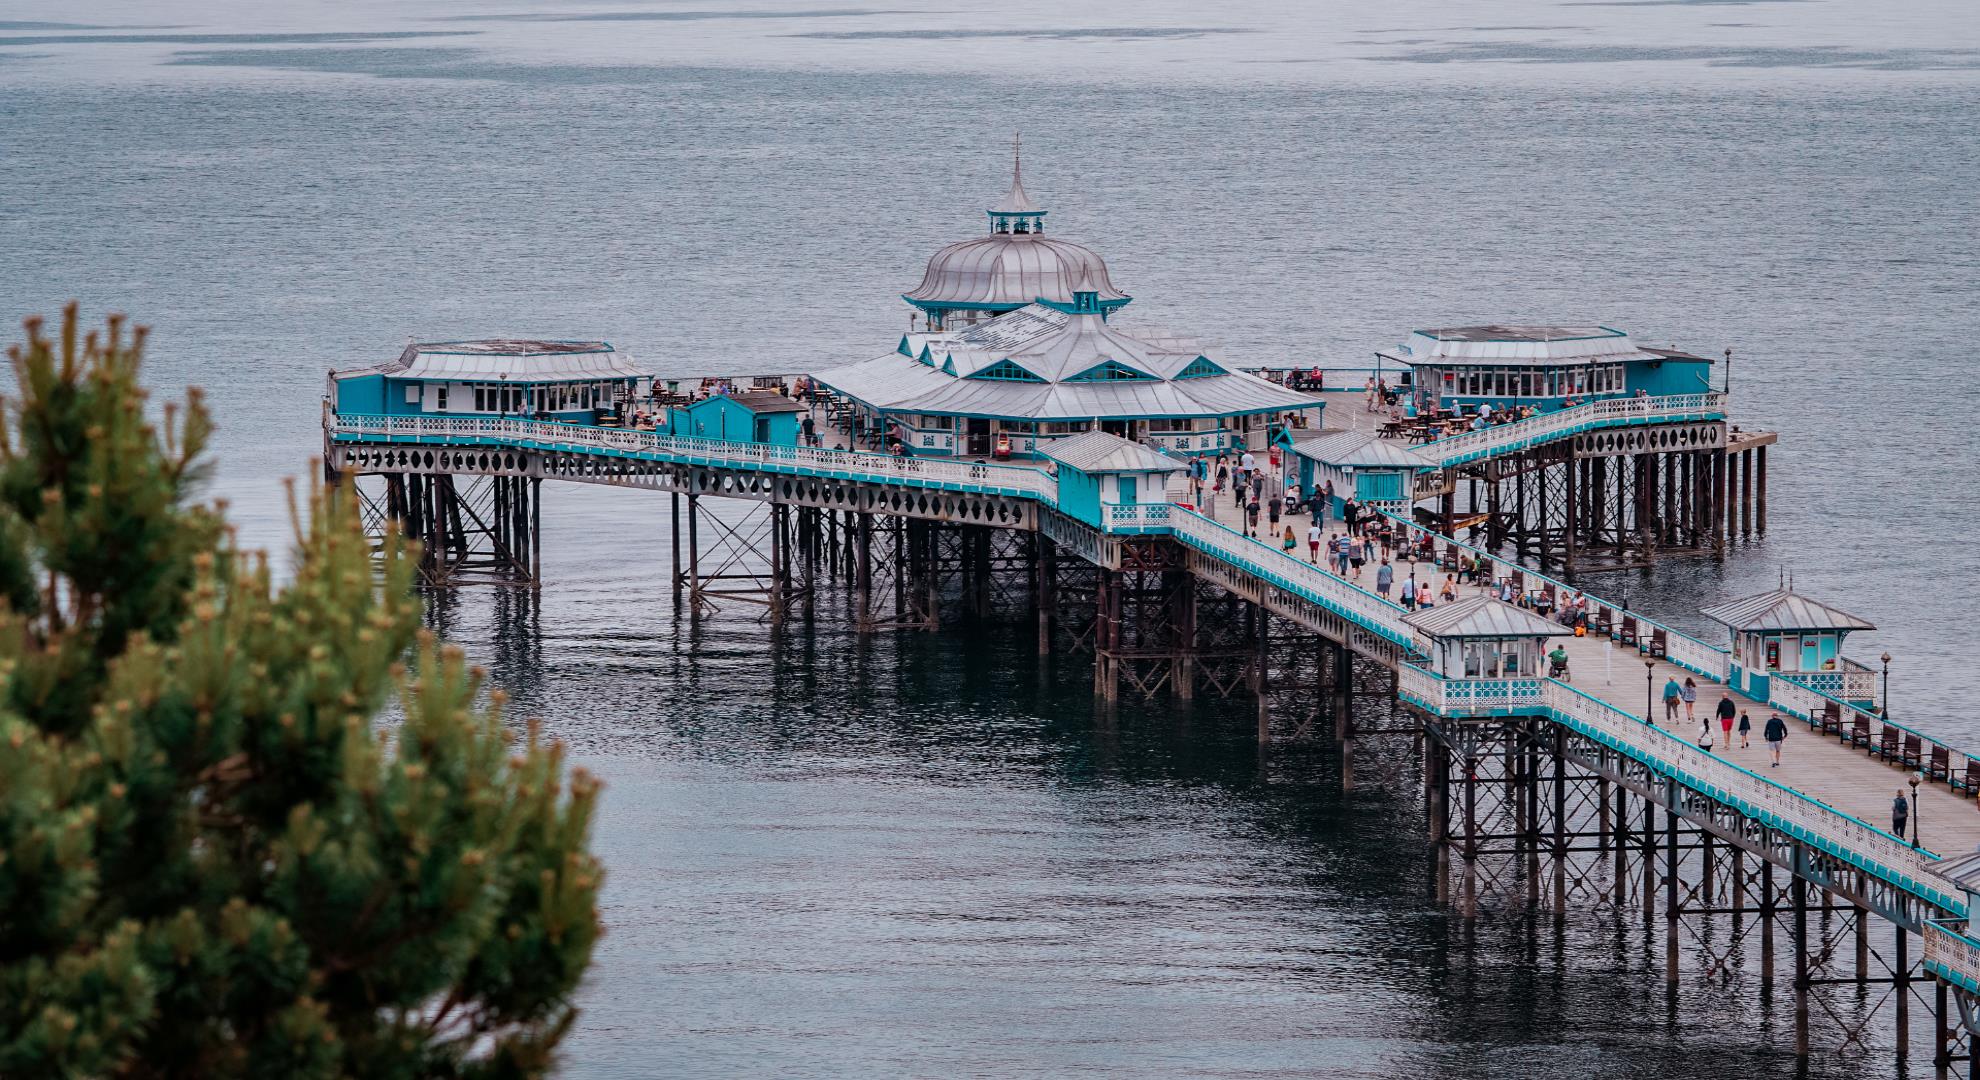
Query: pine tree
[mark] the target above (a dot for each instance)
(214, 862)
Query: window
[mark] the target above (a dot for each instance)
(1066, 427)
(1006, 371)
(412, 393)
(440, 399)
(1199, 368)
(1109, 371)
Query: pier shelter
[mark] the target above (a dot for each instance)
(760, 416)
(1377, 472)
(1479, 637)
(547, 380)
(1098, 472)
(1019, 347)
(1465, 368)
(1784, 633)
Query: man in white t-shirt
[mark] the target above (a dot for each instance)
(1313, 538)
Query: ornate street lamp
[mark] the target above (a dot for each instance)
(1887, 687)
(1649, 689)
(1914, 812)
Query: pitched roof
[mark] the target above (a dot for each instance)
(1098, 451)
(1482, 617)
(1783, 610)
(1360, 449)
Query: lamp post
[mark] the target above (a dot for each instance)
(1914, 812)
(1729, 372)
(1649, 689)
(1887, 687)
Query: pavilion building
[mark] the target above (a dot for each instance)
(1545, 367)
(1018, 346)
(552, 380)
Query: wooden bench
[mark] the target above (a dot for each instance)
(1659, 645)
(1627, 635)
(1831, 719)
(1970, 782)
(1859, 732)
(1940, 766)
(1887, 743)
(1600, 620)
(1912, 752)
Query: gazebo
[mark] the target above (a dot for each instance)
(1479, 637)
(1785, 633)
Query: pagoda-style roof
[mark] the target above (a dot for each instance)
(1783, 610)
(1102, 452)
(1482, 617)
(1358, 449)
(1041, 363)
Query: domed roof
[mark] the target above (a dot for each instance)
(1014, 270)
(1016, 264)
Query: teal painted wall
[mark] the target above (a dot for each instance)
(1667, 377)
(721, 417)
(1079, 495)
(1378, 484)
(365, 394)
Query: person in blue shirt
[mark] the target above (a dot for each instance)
(1673, 694)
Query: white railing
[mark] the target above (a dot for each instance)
(1546, 427)
(1294, 574)
(1712, 661)
(1460, 697)
(1135, 517)
(1952, 955)
(1814, 821)
(883, 468)
(1853, 683)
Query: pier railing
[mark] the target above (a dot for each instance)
(1295, 575)
(1953, 956)
(1905, 747)
(1135, 517)
(551, 435)
(1711, 661)
(1550, 426)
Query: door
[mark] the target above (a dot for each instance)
(1128, 489)
(979, 437)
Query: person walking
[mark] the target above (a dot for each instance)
(1290, 543)
(1199, 470)
(1223, 477)
(1357, 555)
(1900, 810)
(1313, 535)
(1350, 513)
(1251, 518)
(1257, 484)
(1341, 552)
(1673, 694)
(1745, 729)
(1272, 507)
(1727, 710)
(1385, 579)
(1690, 700)
(1775, 733)
(1705, 736)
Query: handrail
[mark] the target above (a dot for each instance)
(885, 468)
(1294, 574)
(1952, 955)
(1458, 449)
(1711, 661)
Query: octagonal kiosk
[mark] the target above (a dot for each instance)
(1785, 633)
(1110, 482)
(1479, 637)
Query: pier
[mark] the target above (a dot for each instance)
(911, 489)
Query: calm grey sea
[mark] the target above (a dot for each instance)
(925, 855)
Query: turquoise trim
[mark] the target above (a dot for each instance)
(1005, 370)
(1201, 367)
(1115, 371)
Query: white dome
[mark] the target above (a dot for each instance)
(1013, 269)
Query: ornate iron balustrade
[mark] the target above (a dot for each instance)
(1135, 517)
(1952, 956)
(549, 435)
(1711, 661)
(1547, 427)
